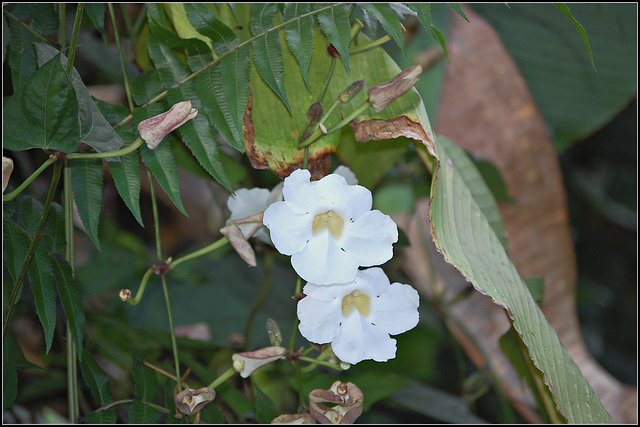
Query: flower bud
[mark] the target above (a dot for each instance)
(305, 418)
(190, 401)
(331, 50)
(7, 168)
(238, 233)
(314, 113)
(352, 90)
(347, 397)
(381, 95)
(247, 363)
(273, 330)
(125, 294)
(154, 129)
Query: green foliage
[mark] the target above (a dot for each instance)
(251, 71)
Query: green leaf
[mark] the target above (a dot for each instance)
(54, 228)
(102, 417)
(387, 18)
(95, 131)
(222, 37)
(30, 213)
(163, 167)
(126, 176)
(10, 353)
(21, 57)
(224, 92)
(456, 7)
(44, 293)
(198, 133)
(267, 54)
(464, 236)
(43, 113)
(574, 100)
(71, 301)
(146, 389)
(16, 245)
(95, 12)
(336, 26)
(96, 379)
(86, 176)
(423, 11)
(299, 35)
(565, 9)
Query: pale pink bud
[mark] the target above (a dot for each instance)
(247, 363)
(190, 401)
(125, 294)
(381, 95)
(346, 400)
(7, 168)
(154, 129)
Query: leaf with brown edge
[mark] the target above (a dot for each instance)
(272, 134)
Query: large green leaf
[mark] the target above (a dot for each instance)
(95, 131)
(96, 379)
(206, 24)
(44, 292)
(71, 301)
(464, 236)
(146, 389)
(574, 99)
(16, 245)
(86, 175)
(126, 176)
(43, 113)
(163, 167)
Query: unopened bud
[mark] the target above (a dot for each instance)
(273, 330)
(331, 49)
(248, 362)
(314, 113)
(352, 90)
(154, 129)
(7, 168)
(190, 401)
(381, 95)
(125, 294)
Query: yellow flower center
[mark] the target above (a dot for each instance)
(330, 220)
(356, 300)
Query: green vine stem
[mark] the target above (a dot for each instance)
(74, 38)
(116, 35)
(117, 153)
(174, 344)
(268, 266)
(7, 197)
(247, 42)
(222, 378)
(316, 362)
(32, 247)
(200, 252)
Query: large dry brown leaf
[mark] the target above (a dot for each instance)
(487, 109)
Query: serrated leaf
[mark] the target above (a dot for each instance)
(43, 113)
(465, 238)
(198, 133)
(197, 51)
(423, 12)
(388, 19)
(30, 213)
(95, 131)
(86, 176)
(146, 389)
(96, 379)
(224, 92)
(143, 414)
(71, 300)
(222, 37)
(102, 417)
(456, 7)
(336, 26)
(10, 353)
(163, 167)
(16, 245)
(96, 12)
(565, 9)
(267, 54)
(54, 228)
(299, 35)
(126, 176)
(44, 293)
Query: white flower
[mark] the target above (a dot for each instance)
(357, 318)
(328, 228)
(247, 202)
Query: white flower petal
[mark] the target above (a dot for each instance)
(319, 320)
(289, 230)
(370, 238)
(247, 202)
(373, 281)
(298, 191)
(323, 262)
(347, 173)
(360, 340)
(396, 310)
